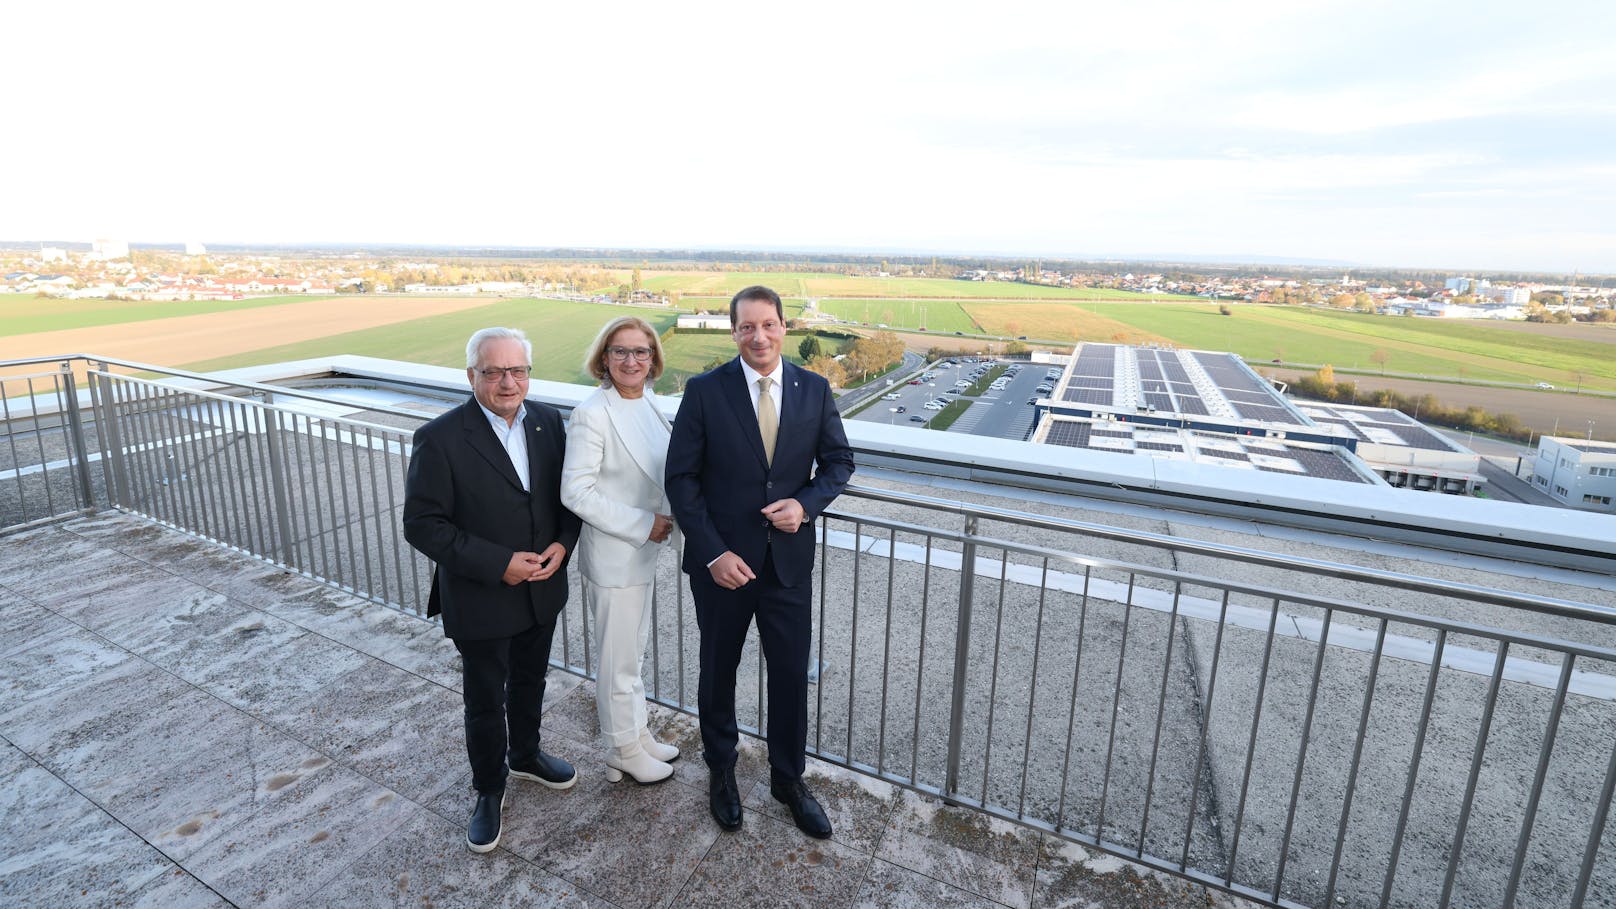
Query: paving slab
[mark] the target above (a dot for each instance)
(963, 848)
(425, 863)
(287, 851)
(770, 863)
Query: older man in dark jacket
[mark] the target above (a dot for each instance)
(483, 501)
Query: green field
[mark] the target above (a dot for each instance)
(560, 331)
(22, 314)
(944, 316)
(809, 284)
(1420, 347)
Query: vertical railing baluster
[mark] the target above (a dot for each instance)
(886, 654)
(1206, 726)
(962, 653)
(1251, 745)
(1352, 768)
(1161, 711)
(1032, 689)
(852, 646)
(39, 439)
(1546, 752)
(1414, 766)
(1116, 707)
(79, 451)
(1071, 716)
(920, 665)
(1465, 803)
(993, 675)
(1301, 752)
(1596, 831)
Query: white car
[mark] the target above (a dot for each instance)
(891, 397)
(1545, 385)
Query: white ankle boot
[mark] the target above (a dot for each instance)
(633, 762)
(656, 749)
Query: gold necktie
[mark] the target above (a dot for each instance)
(768, 420)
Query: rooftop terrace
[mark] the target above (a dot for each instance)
(183, 725)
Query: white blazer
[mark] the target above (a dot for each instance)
(612, 479)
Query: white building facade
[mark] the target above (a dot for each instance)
(1578, 472)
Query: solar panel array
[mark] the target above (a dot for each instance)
(1257, 452)
(1382, 426)
(1252, 399)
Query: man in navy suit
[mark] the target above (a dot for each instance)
(483, 502)
(742, 480)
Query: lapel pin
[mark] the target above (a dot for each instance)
(538, 429)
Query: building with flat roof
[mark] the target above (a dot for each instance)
(1579, 472)
(1209, 407)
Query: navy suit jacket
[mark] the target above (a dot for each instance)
(464, 508)
(718, 480)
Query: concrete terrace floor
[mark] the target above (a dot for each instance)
(182, 725)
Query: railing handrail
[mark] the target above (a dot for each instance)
(216, 379)
(1338, 570)
(1192, 580)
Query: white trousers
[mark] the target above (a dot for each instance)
(622, 629)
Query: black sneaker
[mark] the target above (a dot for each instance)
(546, 770)
(482, 834)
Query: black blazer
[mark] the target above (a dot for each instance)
(464, 509)
(718, 479)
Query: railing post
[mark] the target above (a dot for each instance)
(277, 480)
(962, 650)
(81, 449)
(111, 434)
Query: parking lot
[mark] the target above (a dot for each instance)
(1002, 412)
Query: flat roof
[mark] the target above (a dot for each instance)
(1184, 383)
(1377, 425)
(1236, 452)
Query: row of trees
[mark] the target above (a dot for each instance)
(860, 357)
(1322, 386)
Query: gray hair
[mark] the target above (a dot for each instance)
(474, 347)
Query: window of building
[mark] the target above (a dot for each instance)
(1602, 471)
(1541, 480)
(1561, 491)
(1596, 500)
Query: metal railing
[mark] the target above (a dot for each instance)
(1296, 731)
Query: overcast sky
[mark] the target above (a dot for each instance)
(1476, 135)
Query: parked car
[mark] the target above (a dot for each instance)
(1545, 385)
(902, 409)
(893, 396)
(917, 418)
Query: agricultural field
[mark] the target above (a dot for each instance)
(944, 316)
(193, 336)
(1416, 347)
(809, 284)
(22, 314)
(1054, 322)
(560, 331)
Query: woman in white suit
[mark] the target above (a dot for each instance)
(617, 443)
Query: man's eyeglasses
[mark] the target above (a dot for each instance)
(621, 354)
(495, 373)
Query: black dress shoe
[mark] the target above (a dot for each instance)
(546, 770)
(724, 798)
(482, 834)
(804, 807)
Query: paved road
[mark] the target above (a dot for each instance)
(849, 400)
(1503, 485)
(911, 398)
(1006, 414)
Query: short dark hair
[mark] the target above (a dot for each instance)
(755, 292)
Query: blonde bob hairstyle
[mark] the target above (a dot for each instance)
(595, 360)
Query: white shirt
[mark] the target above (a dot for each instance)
(775, 394)
(512, 439)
